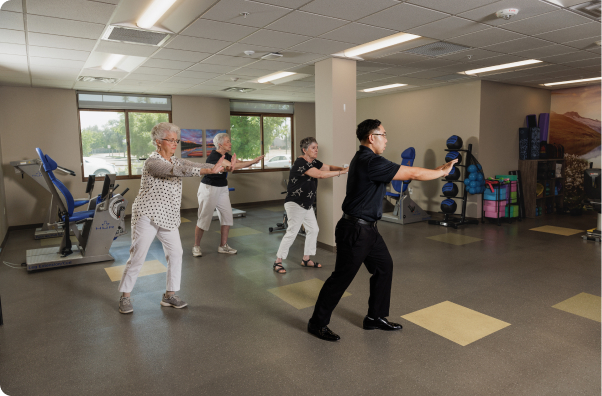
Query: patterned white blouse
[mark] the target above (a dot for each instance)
(160, 195)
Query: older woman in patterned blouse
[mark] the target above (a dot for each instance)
(156, 212)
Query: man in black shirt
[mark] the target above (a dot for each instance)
(357, 237)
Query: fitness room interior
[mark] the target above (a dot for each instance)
(496, 277)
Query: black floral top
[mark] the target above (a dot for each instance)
(302, 188)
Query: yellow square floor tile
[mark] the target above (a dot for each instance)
(183, 220)
(275, 208)
(557, 230)
(302, 294)
(56, 241)
(454, 239)
(150, 267)
(583, 304)
(455, 322)
(241, 231)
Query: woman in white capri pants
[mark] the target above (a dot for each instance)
(156, 213)
(213, 194)
(300, 196)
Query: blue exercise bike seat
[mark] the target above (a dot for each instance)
(407, 159)
(49, 165)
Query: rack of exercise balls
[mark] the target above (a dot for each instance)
(450, 188)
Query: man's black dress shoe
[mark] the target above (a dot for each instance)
(380, 323)
(323, 333)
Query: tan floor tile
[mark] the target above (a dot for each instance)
(183, 220)
(150, 267)
(583, 304)
(301, 294)
(241, 231)
(275, 208)
(56, 241)
(557, 230)
(455, 322)
(454, 239)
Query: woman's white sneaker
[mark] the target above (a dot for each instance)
(172, 301)
(196, 251)
(125, 305)
(226, 249)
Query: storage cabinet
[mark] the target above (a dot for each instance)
(543, 172)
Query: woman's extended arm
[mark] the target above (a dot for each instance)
(159, 168)
(327, 168)
(319, 174)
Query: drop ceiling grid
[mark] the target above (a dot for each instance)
(48, 31)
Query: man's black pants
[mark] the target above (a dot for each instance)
(357, 244)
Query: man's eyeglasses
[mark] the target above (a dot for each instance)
(379, 134)
(176, 141)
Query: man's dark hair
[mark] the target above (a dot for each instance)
(365, 128)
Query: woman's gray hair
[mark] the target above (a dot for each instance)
(219, 139)
(305, 143)
(160, 130)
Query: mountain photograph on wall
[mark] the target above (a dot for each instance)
(192, 143)
(575, 121)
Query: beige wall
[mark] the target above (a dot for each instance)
(424, 120)
(3, 219)
(47, 118)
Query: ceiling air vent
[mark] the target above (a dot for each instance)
(272, 56)
(97, 79)
(238, 89)
(137, 36)
(437, 49)
(590, 9)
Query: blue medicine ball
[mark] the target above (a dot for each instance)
(454, 142)
(472, 190)
(454, 174)
(482, 182)
(452, 155)
(450, 190)
(472, 176)
(449, 206)
(472, 169)
(467, 182)
(480, 176)
(479, 167)
(474, 184)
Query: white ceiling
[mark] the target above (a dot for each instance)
(50, 43)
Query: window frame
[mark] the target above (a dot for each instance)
(127, 137)
(261, 115)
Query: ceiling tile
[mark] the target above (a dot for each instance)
(432, 63)
(429, 73)
(112, 47)
(187, 56)
(528, 8)
(399, 71)
(522, 44)
(78, 10)
(357, 33)
(588, 43)
(305, 23)
(228, 60)
(13, 49)
(206, 28)
(547, 22)
(585, 63)
(573, 33)
(371, 77)
(135, 78)
(260, 15)
(272, 65)
(54, 41)
(62, 63)
(286, 3)
(400, 58)
(321, 46)
(239, 49)
(247, 71)
(298, 57)
(64, 27)
(16, 6)
(186, 80)
(403, 17)
(167, 64)
(274, 39)
(452, 7)
(496, 60)
(369, 67)
(448, 27)
(475, 55)
(11, 20)
(486, 37)
(48, 72)
(199, 75)
(13, 62)
(197, 44)
(348, 9)
(12, 36)
(216, 69)
(98, 72)
(543, 52)
(52, 83)
(154, 71)
(56, 53)
(575, 56)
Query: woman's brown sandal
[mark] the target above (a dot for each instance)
(305, 262)
(279, 268)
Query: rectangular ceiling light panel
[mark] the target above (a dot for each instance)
(573, 81)
(378, 44)
(437, 49)
(391, 86)
(506, 67)
(136, 36)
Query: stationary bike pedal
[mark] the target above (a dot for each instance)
(279, 224)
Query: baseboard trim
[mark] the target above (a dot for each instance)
(322, 245)
(23, 227)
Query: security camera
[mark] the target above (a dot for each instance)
(506, 13)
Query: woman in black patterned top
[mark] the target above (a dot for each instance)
(300, 196)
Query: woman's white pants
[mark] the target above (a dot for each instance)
(143, 234)
(298, 216)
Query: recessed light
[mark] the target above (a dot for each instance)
(272, 56)
(383, 87)
(97, 79)
(274, 76)
(238, 89)
(573, 81)
(112, 61)
(379, 44)
(154, 12)
(512, 65)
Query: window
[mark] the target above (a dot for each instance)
(118, 140)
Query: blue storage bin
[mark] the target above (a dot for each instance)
(493, 196)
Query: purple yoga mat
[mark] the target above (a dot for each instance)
(544, 126)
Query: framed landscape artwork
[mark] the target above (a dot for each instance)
(192, 143)
(209, 135)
